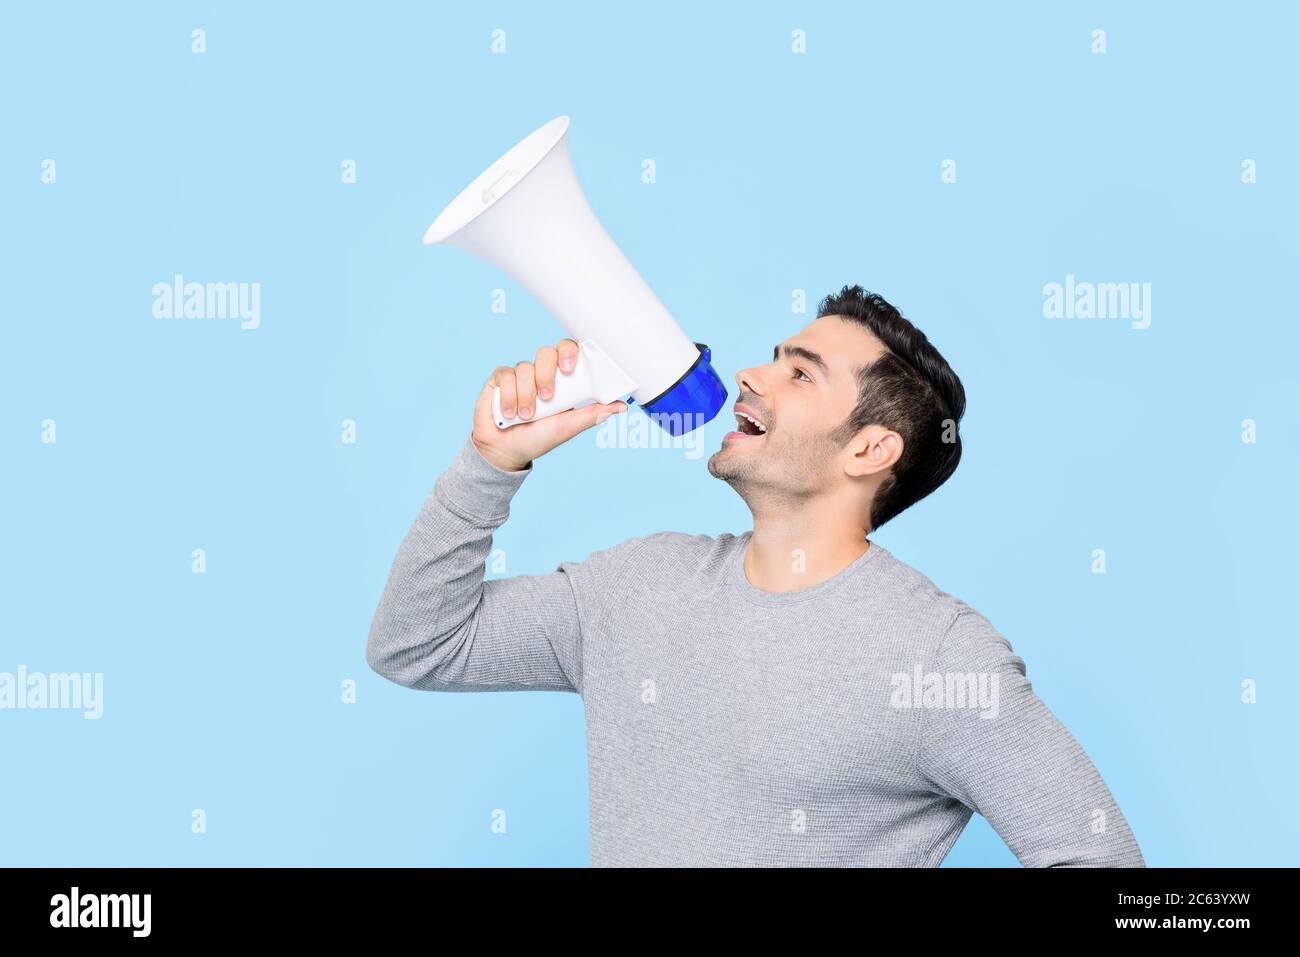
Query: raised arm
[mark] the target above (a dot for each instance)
(440, 626)
(1011, 760)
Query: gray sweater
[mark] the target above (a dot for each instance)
(856, 722)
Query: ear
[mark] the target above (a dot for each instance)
(873, 451)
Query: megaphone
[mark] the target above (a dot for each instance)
(526, 214)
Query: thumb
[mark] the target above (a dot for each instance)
(551, 431)
(597, 413)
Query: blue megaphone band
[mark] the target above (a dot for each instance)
(692, 400)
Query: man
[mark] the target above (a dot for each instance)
(795, 695)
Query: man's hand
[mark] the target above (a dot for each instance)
(521, 385)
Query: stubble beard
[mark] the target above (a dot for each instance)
(790, 473)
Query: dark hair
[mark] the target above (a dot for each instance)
(910, 389)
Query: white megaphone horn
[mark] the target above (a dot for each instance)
(527, 215)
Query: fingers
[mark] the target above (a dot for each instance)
(567, 350)
(503, 377)
(522, 385)
(518, 389)
(536, 380)
(526, 388)
(544, 369)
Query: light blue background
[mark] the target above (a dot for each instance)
(775, 172)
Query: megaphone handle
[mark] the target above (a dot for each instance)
(573, 390)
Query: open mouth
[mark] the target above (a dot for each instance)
(747, 426)
(750, 425)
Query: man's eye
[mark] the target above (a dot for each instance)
(800, 372)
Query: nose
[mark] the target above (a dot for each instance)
(747, 379)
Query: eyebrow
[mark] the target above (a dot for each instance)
(802, 353)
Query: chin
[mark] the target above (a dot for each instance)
(720, 468)
(716, 468)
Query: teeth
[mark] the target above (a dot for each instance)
(757, 424)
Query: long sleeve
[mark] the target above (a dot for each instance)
(440, 626)
(1011, 760)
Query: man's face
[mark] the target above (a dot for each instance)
(801, 397)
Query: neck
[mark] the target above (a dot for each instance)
(796, 549)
